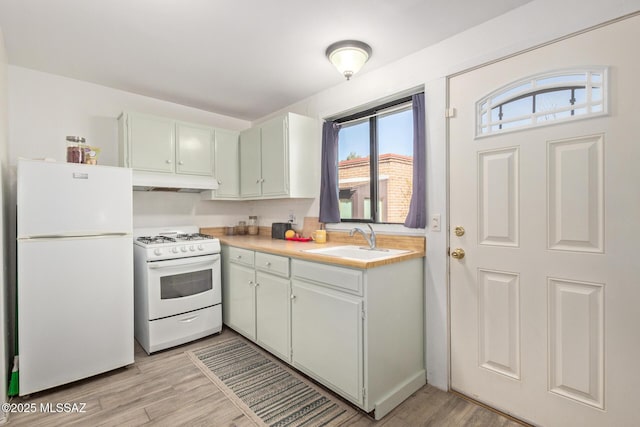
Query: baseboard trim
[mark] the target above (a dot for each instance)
(399, 394)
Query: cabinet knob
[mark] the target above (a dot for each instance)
(268, 264)
(219, 182)
(168, 162)
(293, 297)
(238, 256)
(257, 181)
(181, 162)
(250, 282)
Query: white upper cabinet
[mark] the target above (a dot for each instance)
(227, 166)
(250, 163)
(151, 143)
(194, 149)
(280, 158)
(275, 171)
(157, 144)
(277, 159)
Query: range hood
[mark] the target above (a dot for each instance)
(149, 181)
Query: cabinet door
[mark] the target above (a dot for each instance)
(272, 314)
(250, 172)
(151, 143)
(194, 154)
(326, 337)
(275, 170)
(241, 306)
(227, 164)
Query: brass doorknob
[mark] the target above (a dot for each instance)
(458, 253)
(459, 230)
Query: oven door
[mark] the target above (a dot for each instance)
(180, 285)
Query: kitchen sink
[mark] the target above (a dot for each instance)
(357, 253)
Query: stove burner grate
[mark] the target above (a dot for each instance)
(150, 240)
(193, 236)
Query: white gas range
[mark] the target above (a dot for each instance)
(177, 286)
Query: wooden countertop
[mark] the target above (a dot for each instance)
(264, 243)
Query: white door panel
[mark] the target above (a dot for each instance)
(544, 302)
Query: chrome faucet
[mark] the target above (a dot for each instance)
(371, 238)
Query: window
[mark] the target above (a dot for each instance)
(377, 190)
(543, 99)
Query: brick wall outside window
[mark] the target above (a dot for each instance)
(395, 186)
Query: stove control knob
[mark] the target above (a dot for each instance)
(192, 248)
(174, 250)
(200, 248)
(157, 252)
(183, 249)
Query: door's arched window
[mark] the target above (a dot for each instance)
(543, 99)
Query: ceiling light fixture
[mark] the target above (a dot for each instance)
(348, 56)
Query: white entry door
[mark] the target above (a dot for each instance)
(545, 303)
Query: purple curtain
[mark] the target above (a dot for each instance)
(329, 203)
(417, 217)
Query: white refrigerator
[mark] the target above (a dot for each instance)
(75, 272)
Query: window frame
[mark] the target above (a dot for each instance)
(535, 86)
(373, 114)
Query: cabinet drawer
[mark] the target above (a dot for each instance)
(241, 256)
(272, 263)
(344, 279)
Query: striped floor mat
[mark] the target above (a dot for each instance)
(265, 389)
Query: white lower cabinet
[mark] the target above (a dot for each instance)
(240, 301)
(358, 332)
(272, 314)
(327, 337)
(255, 293)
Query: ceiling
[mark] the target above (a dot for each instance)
(242, 58)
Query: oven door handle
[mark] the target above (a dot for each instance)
(183, 262)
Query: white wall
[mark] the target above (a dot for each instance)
(4, 203)
(45, 108)
(535, 23)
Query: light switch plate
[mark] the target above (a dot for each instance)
(435, 222)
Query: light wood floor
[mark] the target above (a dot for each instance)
(167, 389)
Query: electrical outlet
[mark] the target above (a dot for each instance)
(435, 222)
(292, 217)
